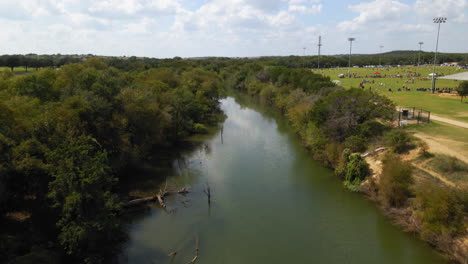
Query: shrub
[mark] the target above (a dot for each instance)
(441, 210)
(398, 140)
(200, 128)
(356, 143)
(395, 181)
(354, 170)
(424, 149)
(371, 128)
(268, 94)
(333, 152)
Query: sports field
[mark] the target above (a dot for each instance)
(441, 104)
(19, 70)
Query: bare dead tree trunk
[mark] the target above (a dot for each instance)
(159, 197)
(207, 191)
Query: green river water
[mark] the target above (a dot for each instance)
(270, 203)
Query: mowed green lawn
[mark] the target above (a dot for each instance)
(441, 105)
(19, 70)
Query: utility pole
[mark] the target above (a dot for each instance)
(419, 54)
(437, 20)
(318, 59)
(350, 48)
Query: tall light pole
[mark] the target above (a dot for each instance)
(350, 48)
(318, 59)
(380, 57)
(437, 20)
(419, 54)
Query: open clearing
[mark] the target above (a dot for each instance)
(443, 138)
(440, 104)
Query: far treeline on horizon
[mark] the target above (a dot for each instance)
(393, 58)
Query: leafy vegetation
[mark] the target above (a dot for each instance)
(441, 210)
(398, 140)
(66, 134)
(463, 90)
(395, 182)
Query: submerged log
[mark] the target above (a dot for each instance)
(196, 251)
(140, 201)
(160, 197)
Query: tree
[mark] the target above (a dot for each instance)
(463, 90)
(395, 181)
(81, 191)
(13, 61)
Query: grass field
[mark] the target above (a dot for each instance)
(19, 70)
(440, 104)
(451, 140)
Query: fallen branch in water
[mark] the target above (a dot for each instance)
(196, 251)
(160, 197)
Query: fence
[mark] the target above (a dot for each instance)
(412, 115)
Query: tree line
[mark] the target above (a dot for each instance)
(215, 64)
(65, 137)
(337, 125)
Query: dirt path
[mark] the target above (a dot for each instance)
(437, 145)
(435, 175)
(449, 121)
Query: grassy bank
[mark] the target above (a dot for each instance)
(336, 125)
(445, 105)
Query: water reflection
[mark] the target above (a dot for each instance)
(270, 203)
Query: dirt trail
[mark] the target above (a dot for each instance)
(435, 175)
(437, 145)
(449, 121)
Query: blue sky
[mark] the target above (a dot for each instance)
(195, 28)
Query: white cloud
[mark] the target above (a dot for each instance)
(305, 6)
(117, 9)
(454, 10)
(375, 12)
(168, 28)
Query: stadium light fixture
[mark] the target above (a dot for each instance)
(419, 54)
(350, 48)
(437, 20)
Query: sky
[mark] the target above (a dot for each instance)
(228, 28)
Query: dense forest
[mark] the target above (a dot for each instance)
(66, 134)
(68, 130)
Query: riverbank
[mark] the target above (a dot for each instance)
(333, 123)
(455, 248)
(270, 203)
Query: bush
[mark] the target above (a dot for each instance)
(398, 140)
(353, 169)
(200, 128)
(395, 181)
(424, 149)
(356, 143)
(371, 128)
(333, 152)
(441, 210)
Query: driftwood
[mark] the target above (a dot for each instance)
(196, 251)
(160, 197)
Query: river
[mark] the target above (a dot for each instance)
(270, 203)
